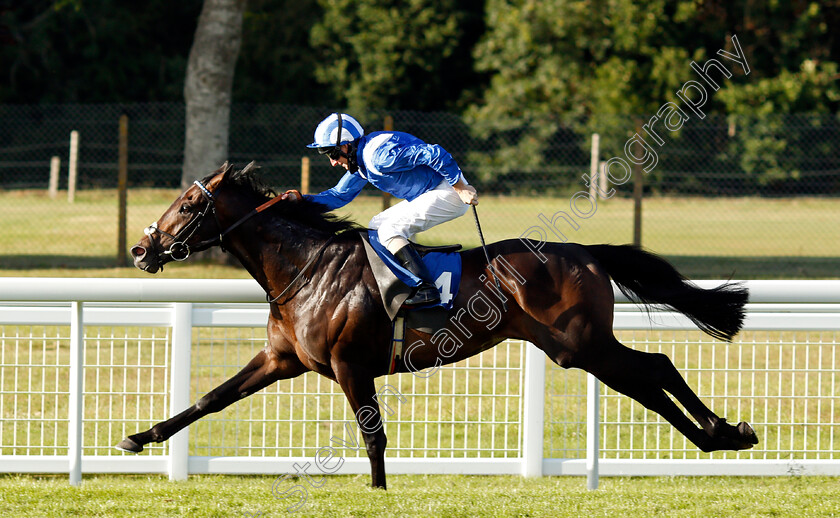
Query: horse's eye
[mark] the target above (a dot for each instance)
(184, 209)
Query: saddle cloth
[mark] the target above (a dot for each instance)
(396, 283)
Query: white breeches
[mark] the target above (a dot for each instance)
(399, 223)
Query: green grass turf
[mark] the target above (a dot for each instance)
(420, 495)
(705, 237)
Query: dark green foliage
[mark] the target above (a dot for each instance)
(591, 66)
(276, 63)
(528, 81)
(396, 55)
(96, 50)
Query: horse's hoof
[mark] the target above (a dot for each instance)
(747, 433)
(727, 437)
(129, 446)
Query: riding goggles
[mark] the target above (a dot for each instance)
(334, 153)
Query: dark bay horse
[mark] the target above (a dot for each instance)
(327, 316)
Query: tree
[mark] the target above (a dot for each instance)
(208, 87)
(60, 51)
(597, 65)
(565, 64)
(276, 63)
(410, 54)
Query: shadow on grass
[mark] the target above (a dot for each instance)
(65, 262)
(764, 267)
(201, 265)
(692, 266)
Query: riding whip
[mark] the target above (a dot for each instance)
(487, 256)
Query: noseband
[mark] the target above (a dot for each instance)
(179, 249)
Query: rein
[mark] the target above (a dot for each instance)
(180, 251)
(301, 272)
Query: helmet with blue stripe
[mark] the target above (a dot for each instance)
(336, 130)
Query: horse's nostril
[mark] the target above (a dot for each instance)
(138, 251)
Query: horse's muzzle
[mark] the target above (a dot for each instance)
(143, 259)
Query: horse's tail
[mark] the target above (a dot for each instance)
(646, 278)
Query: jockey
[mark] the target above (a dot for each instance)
(425, 176)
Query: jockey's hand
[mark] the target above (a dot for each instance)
(292, 194)
(468, 194)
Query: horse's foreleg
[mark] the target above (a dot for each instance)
(263, 370)
(361, 394)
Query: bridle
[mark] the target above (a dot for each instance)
(180, 250)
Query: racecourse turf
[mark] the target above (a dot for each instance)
(744, 238)
(142, 496)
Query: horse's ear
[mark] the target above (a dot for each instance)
(226, 169)
(227, 166)
(250, 167)
(221, 175)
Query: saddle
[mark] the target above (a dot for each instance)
(443, 249)
(394, 291)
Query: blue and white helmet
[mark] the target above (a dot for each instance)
(326, 134)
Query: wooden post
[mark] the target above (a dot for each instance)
(55, 167)
(593, 167)
(304, 175)
(638, 189)
(72, 166)
(388, 125)
(638, 185)
(122, 190)
(603, 179)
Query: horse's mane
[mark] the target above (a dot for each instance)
(307, 213)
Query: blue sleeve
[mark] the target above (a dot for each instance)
(404, 158)
(344, 191)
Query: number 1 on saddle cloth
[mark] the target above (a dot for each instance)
(444, 267)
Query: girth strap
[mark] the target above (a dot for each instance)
(397, 343)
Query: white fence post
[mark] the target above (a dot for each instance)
(77, 379)
(592, 428)
(533, 415)
(179, 384)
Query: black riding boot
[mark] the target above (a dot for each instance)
(427, 292)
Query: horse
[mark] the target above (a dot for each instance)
(327, 316)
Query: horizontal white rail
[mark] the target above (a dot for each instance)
(61, 289)
(781, 316)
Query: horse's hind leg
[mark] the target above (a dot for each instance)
(646, 377)
(263, 370)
